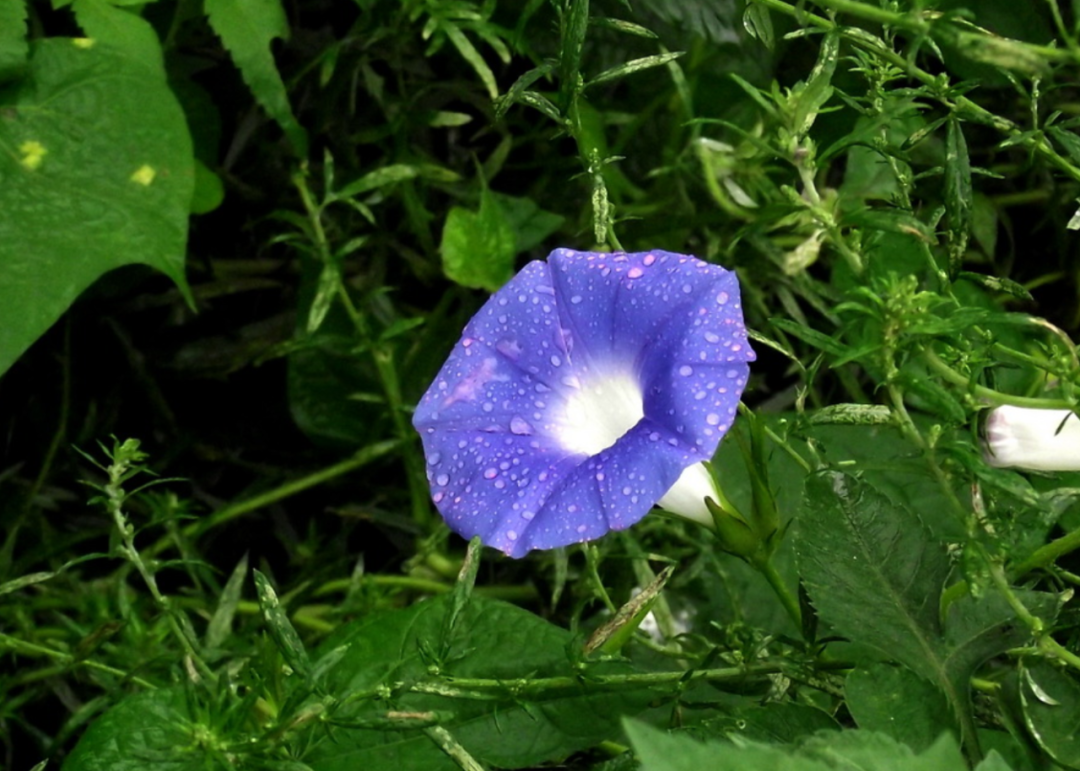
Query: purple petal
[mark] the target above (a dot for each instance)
(579, 393)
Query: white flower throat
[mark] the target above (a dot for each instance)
(599, 412)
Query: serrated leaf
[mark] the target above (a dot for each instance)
(478, 248)
(130, 33)
(825, 751)
(636, 65)
(100, 179)
(896, 701)
(280, 628)
(14, 47)
(247, 28)
(872, 569)
(875, 574)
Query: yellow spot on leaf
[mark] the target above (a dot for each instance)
(83, 42)
(144, 175)
(32, 154)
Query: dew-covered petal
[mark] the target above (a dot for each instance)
(609, 491)
(493, 484)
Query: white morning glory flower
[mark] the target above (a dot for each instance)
(586, 390)
(1030, 438)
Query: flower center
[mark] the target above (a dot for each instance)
(599, 412)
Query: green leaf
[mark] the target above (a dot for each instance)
(100, 179)
(150, 729)
(866, 750)
(478, 249)
(247, 28)
(21, 582)
(492, 640)
(1051, 702)
(1067, 139)
(872, 570)
(209, 190)
(890, 221)
(636, 65)
(130, 33)
(387, 175)
(530, 223)
(812, 336)
(875, 574)
(896, 701)
(280, 628)
(957, 193)
(220, 626)
(14, 47)
(573, 26)
(779, 723)
(621, 25)
(758, 24)
(472, 56)
(808, 98)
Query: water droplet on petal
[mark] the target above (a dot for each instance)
(722, 298)
(581, 528)
(686, 370)
(626, 491)
(555, 360)
(442, 480)
(434, 459)
(649, 259)
(712, 337)
(575, 299)
(511, 534)
(437, 497)
(712, 419)
(635, 272)
(490, 473)
(520, 426)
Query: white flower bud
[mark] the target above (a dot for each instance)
(1038, 439)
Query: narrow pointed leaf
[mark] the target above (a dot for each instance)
(637, 65)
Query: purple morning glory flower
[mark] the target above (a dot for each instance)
(586, 390)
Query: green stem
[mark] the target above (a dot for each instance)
(26, 648)
(780, 587)
(115, 496)
(361, 458)
(1046, 555)
(996, 397)
(484, 689)
(384, 365)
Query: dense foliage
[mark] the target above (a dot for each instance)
(238, 239)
